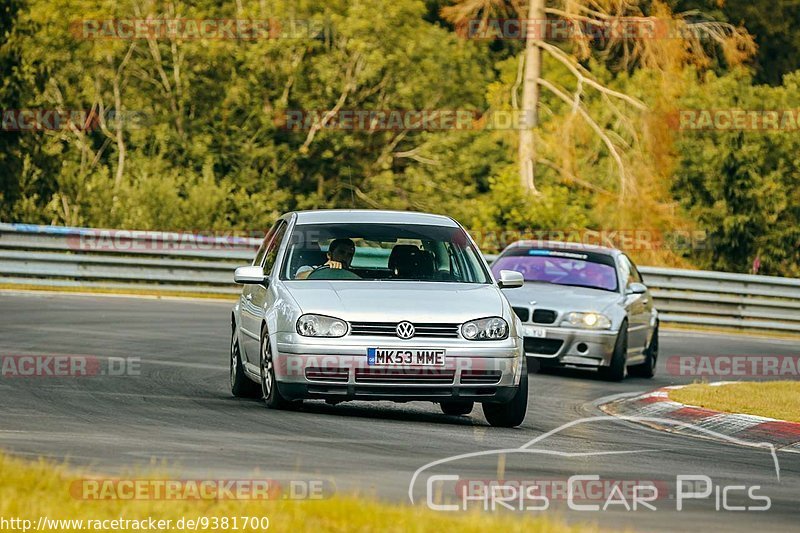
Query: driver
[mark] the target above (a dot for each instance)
(340, 254)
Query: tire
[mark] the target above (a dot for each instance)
(648, 368)
(616, 370)
(241, 385)
(456, 408)
(512, 413)
(269, 384)
(541, 366)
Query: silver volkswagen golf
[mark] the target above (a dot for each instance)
(377, 305)
(583, 306)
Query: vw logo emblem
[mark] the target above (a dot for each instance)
(405, 330)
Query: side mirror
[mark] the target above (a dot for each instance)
(636, 288)
(510, 279)
(249, 275)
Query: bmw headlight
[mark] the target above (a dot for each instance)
(587, 321)
(321, 326)
(485, 329)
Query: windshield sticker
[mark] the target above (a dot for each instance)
(554, 253)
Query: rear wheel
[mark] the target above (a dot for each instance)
(269, 385)
(648, 368)
(616, 370)
(456, 408)
(512, 413)
(241, 385)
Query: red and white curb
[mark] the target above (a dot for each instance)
(783, 435)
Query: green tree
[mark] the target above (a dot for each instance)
(743, 186)
(10, 97)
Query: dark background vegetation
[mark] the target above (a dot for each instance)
(202, 145)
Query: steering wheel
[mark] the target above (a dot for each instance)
(326, 272)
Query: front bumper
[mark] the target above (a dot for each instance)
(572, 347)
(337, 370)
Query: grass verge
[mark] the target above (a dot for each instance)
(772, 399)
(43, 489)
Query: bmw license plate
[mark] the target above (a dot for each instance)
(537, 333)
(405, 356)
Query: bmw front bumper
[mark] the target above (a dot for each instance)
(570, 347)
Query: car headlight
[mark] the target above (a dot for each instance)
(321, 326)
(485, 329)
(587, 321)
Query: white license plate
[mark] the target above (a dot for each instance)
(405, 356)
(530, 331)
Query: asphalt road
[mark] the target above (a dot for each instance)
(179, 410)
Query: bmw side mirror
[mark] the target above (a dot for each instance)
(636, 288)
(250, 275)
(510, 279)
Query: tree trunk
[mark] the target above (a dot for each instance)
(121, 151)
(530, 95)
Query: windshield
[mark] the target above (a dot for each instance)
(387, 252)
(577, 269)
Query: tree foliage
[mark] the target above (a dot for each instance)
(192, 133)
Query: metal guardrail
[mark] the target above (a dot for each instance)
(183, 262)
(719, 299)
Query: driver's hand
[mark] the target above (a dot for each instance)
(333, 264)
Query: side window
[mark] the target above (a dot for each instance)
(262, 250)
(274, 246)
(475, 272)
(629, 272)
(635, 276)
(624, 271)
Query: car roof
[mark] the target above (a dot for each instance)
(564, 245)
(372, 216)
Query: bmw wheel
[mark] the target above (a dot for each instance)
(648, 368)
(617, 369)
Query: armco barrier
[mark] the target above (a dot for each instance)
(182, 262)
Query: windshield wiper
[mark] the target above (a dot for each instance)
(584, 286)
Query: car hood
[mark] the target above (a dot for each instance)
(394, 301)
(562, 298)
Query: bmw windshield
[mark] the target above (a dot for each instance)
(385, 252)
(561, 267)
